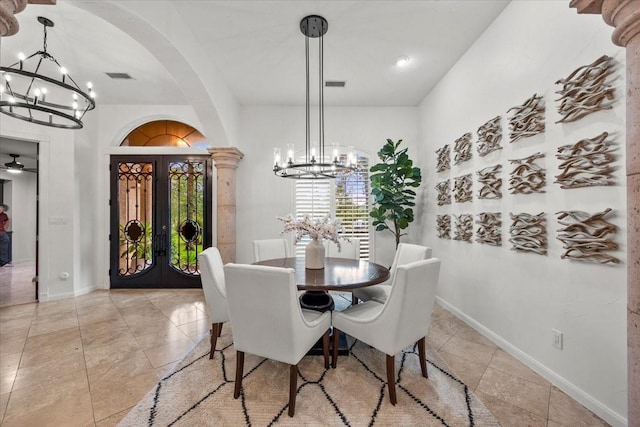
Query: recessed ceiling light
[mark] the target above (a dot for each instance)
(403, 61)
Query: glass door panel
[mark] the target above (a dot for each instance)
(160, 213)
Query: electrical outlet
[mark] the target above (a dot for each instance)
(557, 338)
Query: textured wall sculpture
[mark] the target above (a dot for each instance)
(462, 148)
(527, 119)
(585, 236)
(489, 230)
(490, 184)
(462, 188)
(528, 233)
(444, 192)
(443, 159)
(443, 226)
(586, 90)
(489, 136)
(586, 163)
(464, 227)
(527, 177)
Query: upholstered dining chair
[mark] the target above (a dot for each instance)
(402, 320)
(348, 249)
(270, 249)
(267, 320)
(405, 254)
(213, 285)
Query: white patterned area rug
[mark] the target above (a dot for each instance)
(199, 392)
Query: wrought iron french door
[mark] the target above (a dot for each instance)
(160, 220)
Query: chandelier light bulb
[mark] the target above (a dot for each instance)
(74, 105)
(21, 56)
(63, 70)
(335, 153)
(89, 85)
(92, 94)
(75, 96)
(290, 153)
(276, 157)
(12, 100)
(7, 77)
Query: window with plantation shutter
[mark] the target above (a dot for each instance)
(346, 197)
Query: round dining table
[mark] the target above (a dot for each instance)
(338, 274)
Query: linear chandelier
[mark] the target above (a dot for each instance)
(316, 164)
(39, 90)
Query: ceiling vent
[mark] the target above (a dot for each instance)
(330, 83)
(121, 76)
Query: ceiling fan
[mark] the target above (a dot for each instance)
(15, 166)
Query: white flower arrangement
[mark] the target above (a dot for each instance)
(324, 228)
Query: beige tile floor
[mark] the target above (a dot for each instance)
(86, 361)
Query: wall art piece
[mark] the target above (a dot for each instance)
(464, 227)
(490, 183)
(527, 177)
(528, 233)
(585, 236)
(527, 119)
(443, 161)
(444, 192)
(586, 163)
(489, 230)
(489, 136)
(443, 226)
(462, 189)
(586, 90)
(462, 148)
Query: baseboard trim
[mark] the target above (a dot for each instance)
(571, 389)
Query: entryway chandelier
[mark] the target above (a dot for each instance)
(316, 163)
(39, 90)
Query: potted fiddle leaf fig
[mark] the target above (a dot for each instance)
(392, 183)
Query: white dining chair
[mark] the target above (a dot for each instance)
(213, 285)
(267, 320)
(348, 249)
(405, 254)
(401, 321)
(270, 249)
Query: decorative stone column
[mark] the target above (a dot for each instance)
(8, 22)
(226, 162)
(624, 16)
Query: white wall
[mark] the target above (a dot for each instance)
(20, 195)
(517, 298)
(261, 196)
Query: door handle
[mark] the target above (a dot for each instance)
(159, 244)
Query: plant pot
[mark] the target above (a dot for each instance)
(314, 255)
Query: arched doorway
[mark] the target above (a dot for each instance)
(160, 209)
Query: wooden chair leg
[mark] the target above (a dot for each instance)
(423, 358)
(293, 388)
(214, 338)
(391, 378)
(219, 329)
(239, 369)
(334, 350)
(325, 348)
